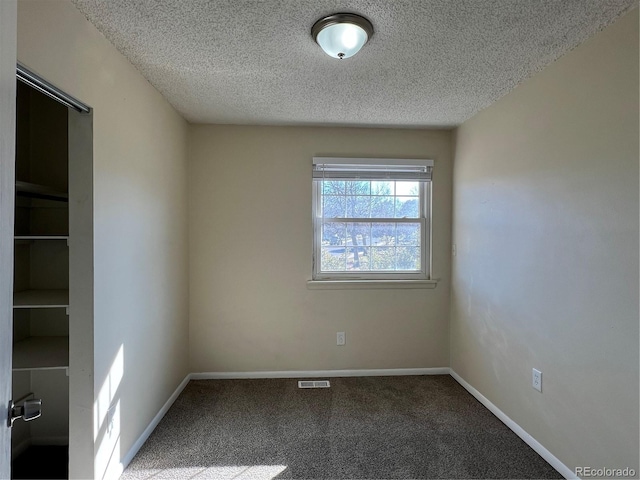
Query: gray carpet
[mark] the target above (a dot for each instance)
(366, 428)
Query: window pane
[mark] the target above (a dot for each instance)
(333, 259)
(359, 246)
(407, 188)
(407, 207)
(358, 206)
(358, 234)
(408, 234)
(383, 258)
(382, 207)
(382, 188)
(383, 234)
(333, 206)
(333, 187)
(358, 187)
(357, 258)
(408, 258)
(333, 234)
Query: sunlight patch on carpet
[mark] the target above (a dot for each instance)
(240, 472)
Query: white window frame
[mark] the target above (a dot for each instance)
(424, 220)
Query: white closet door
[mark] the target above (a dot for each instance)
(8, 9)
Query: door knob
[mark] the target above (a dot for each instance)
(26, 409)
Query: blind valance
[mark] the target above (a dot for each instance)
(332, 168)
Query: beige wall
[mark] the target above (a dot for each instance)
(546, 274)
(250, 234)
(140, 249)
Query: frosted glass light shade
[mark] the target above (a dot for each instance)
(342, 35)
(342, 40)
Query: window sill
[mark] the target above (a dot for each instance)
(370, 284)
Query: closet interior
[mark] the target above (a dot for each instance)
(41, 281)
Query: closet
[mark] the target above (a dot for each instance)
(41, 269)
(41, 307)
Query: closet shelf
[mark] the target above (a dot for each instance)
(40, 191)
(27, 239)
(42, 237)
(41, 299)
(41, 353)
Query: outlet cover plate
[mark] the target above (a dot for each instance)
(536, 380)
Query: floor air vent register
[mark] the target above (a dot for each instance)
(313, 384)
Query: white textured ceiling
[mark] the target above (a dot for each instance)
(430, 63)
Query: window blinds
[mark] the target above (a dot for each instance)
(372, 169)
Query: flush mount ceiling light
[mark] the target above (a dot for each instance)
(342, 35)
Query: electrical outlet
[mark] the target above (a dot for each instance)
(341, 338)
(454, 250)
(537, 380)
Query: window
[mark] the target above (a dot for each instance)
(371, 219)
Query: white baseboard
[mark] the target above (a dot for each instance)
(320, 373)
(126, 460)
(562, 469)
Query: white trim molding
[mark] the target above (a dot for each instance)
(562, 469)
(370, 284)
(320, 373)
(126, 460)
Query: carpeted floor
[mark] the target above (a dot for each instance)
(365, 428)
